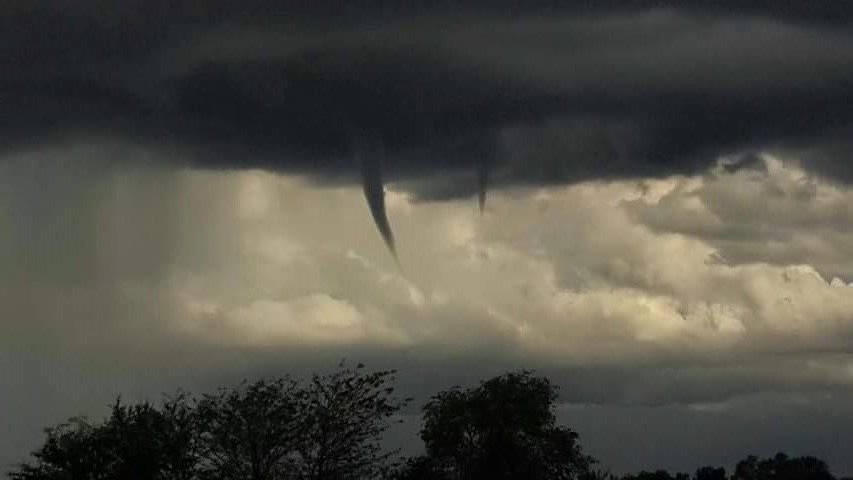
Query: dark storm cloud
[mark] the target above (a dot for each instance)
(556, 91)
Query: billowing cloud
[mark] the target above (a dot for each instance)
(678, 294)
(669, 294)
(772, 212)
(682, 269)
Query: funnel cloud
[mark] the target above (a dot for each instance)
(374, 192)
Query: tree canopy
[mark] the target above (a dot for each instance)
(503, 429)
(330, 427)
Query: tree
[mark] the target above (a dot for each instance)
(504, 428)
(346, 413)
(74, 450)
(250, 432)
(153, 443)
(421, 468)
(747, 469)
(180, 438)
(710, 473)
(782, 467)
(134, 442)
(327, 429)
(657, 475)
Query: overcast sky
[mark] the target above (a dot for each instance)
(667, 234)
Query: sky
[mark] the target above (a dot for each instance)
(652, 206)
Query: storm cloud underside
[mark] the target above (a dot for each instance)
(568, 92)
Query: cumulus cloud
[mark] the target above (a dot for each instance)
(775, 212)
(657, 291)
(563, 278)
(683, 267)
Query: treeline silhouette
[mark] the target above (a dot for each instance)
(330, 427)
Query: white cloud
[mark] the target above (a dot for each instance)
(623, 274)
(777, 213)
(563, 276)
(695, 291)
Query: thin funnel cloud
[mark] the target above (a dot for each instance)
(374, 192)
(484, 169)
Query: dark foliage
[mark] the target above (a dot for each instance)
(330, 427)
(73, 450)
(503, 429)
(782, 467)
(135, 442)
(710, 473)
(657, 475)
(249, 432)
(345, 414)
(778, 467)
(325, 429)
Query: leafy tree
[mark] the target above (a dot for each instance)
(657, 475)
(151, 443)
(326, 429)
(250, 432)
(747, 469)
(782, 467)
(134, 442)
(180, 439)
(597, 474)
(330, 427)
(422, 468)
(75, 450)
(346, 413)
(710, 473)
(504, 428)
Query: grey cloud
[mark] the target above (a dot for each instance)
(230, 265)
(773, 212)
(549, 95)
(669, 89)
(234, 285)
